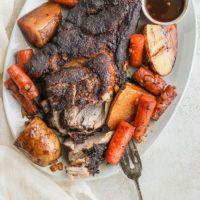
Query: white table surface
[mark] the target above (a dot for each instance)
(171, 167)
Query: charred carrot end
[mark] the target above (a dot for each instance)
(10, 85)
(28, 105)
(136, 50)
(150, 81)
(146, 107)
(26, 86)
(23, 57)
(164, 101)
(68, 3)
(118, 143)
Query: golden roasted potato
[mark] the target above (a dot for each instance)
(161, 47)
(124, 105)
(39, 143)
(39, 25)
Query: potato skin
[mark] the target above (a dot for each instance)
(39, 143)
(161, 47)
(39, 25)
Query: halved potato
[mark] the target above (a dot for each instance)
(161, 47)
(39, 25)
(39, 143)
(124, 105)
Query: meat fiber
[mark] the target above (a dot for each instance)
(79, 96)
(87, 155)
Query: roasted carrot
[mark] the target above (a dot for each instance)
(28, 105)
(118, 143)
(68, 3)
(150, 81)
(136, 50)
(23, 57)
(26, 86)
(164, 101)
(10, 85)
(145, 109)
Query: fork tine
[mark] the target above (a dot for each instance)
(125, 163)
(131, 152)
(125, 158)
(134, 153)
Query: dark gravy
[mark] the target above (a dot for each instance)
(165, 10)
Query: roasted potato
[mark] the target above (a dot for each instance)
(68, 3)
(39, 25)
(124, 105)
(161, 47)
(39, 143)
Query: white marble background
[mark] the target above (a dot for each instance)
(171, 167)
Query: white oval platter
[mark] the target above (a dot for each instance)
(187, 39)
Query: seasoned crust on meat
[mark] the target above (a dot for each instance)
(89, 29)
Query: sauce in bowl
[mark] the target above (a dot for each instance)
(165, 10)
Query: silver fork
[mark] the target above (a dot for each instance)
(132, 165)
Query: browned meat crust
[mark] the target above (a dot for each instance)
(96, 157)
(91, 27)
(90, 153)
(77, 95)
(82, 63)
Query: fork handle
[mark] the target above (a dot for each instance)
(138, 189)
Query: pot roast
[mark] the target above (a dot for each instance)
(78, 69)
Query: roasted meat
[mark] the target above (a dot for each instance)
(81, 64)
(87, 155)
(79, 123)
(78, 70)
(79, 96)
(91, 27)
(88, 83)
